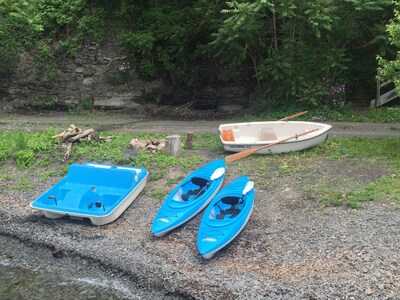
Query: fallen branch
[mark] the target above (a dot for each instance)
(69, 150)
(75, 134)
(84, 134)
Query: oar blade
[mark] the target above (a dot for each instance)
(240, 154)
(293, 116)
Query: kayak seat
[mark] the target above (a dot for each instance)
(194, 188)
(232, 209)
(231, 200)
(227, 214)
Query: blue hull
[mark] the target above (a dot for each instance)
(189, 197)
(225, 217)
(100, 192)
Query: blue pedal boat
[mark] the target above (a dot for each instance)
(189, 197)
(226, 216)
(100, 192)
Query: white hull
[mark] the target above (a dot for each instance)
(256, 134)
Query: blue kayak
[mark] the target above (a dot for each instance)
(226, 216)
(189, 197)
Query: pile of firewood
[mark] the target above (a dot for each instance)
(75, 134)
(151, 145)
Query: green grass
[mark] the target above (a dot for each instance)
(368, 150)
(6, 177)
(385, 189)
(24, 184)
(159, 193)
(166, 172)
(366, 147)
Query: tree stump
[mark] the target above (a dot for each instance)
(189, 140)
(173, 145)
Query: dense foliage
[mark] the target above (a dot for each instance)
(315, 52)
(390, 68)
(19, 25)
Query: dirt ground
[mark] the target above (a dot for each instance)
(148, 123)
(290, 249)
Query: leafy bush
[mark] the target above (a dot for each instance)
(20, 24)
(391, 67)
(20, 140)
(294, 46)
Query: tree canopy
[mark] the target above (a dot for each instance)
(288, 50)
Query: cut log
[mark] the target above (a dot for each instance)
(173, 145)
(136, 144)
(189, 140)
(85, 133)
(71, 131)
(65, 135)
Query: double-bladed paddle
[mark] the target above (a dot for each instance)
(250, 151)
(247, 188)
(215, 175)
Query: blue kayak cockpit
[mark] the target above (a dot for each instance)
(192, 189)
(227, 208)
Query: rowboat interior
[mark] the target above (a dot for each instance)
(261, 132)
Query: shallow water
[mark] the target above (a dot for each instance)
(31, 272)
(18, 282)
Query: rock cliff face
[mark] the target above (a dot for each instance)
(99, 76)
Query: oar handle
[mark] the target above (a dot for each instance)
(250, 151)
(293, 116)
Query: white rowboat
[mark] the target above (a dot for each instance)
(236, 137)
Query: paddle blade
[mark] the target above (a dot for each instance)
(293, 116)
(217, 173)
(248, 187)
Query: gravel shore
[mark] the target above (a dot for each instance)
(290, 249)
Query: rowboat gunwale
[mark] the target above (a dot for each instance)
(296, 144)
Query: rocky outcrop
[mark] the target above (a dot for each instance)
(100, 76)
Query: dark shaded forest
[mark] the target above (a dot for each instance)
(318, 53)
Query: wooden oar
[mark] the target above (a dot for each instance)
(250, 151)
(293, 116)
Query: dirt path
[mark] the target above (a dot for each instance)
(122, 122)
